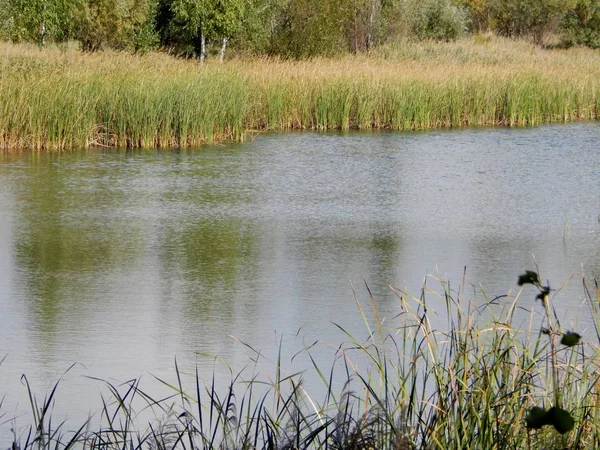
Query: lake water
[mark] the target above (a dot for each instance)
(121, 261)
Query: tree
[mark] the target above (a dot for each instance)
(439, 20)
(314, 27)
(119, 24)
(142, 25)
(224, 21)
(39, 20)
(581, 25)
(478, 12)
(421, 19)
(202, 20)
(535, 18)
(258, 27)
(191, 16)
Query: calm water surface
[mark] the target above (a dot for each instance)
(120, 261)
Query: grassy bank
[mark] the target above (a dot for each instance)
(61, 99)
(475, 382)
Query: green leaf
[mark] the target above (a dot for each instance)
(529, 277)
(536, 418)
(562, 420)
(570, 339)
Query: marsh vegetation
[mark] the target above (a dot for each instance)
(62, 99)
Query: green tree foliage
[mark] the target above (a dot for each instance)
(257, 29)
(325, 27)
(142, 31)
(368, 26)
(289, 28)
(313, 27)
(187, 25)
(439, 20)
(189, 21)
(119, 24)
(581, 25)
(478, 12)
(534, 18)
(425, 19)
(38, 21)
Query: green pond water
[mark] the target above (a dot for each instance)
(120, 261)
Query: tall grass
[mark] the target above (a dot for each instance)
(61, 99)
(445, 374)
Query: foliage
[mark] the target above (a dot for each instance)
(581, 24)
(188, 20)
(313, 27)
(142, 34)
(440, 20)
(256, 34)
(289, 28)
(116, 24)
(310, 28)
(38, 21)
(478, 12)
(521, 18)
(538, 417)
(425, 19)
(186, 25)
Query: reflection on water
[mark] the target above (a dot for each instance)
(121, 261)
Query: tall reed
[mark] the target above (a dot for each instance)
(55, 99)
(445, 374)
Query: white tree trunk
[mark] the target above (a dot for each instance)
(43, 35)
(371, 25)
(355, 49)
(42, 40)
(223, 47)
(202, 47)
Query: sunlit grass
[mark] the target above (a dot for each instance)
(444, 373)
(61, 99)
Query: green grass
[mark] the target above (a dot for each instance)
(461, 377)
(61, 99)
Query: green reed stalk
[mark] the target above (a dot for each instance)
(449, 371)
(65, 100)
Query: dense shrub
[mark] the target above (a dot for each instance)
(478, 13)
(123, 25)
(528, 18)
(581, 25)
(37, 21)
(440, 20)
(313, 27)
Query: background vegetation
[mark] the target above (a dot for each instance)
(290, 28)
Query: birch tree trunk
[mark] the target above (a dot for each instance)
(371, 25)
(223, 47)
(42, 34)
(42, 40)
(355, 43)
(202, 47)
